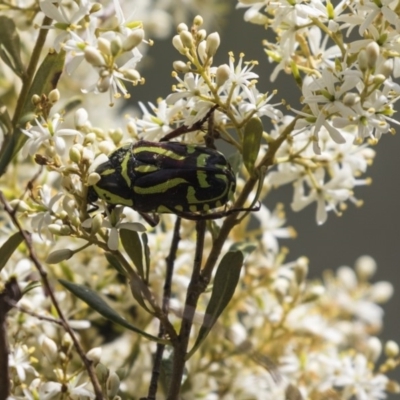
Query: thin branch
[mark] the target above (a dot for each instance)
(170, 260)
(30, 72)
(14, 304)
(11, 293)
(194, 291)
(43, 274)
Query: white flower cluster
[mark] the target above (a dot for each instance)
(282, 336)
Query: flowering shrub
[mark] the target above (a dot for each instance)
(100, 298)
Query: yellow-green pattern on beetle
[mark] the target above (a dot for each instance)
(166, 177)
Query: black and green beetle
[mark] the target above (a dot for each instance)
(165, 177)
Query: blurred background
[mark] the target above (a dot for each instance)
(373, 229)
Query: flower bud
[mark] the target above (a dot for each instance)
(101, 372)
(93, 178)
(391, 349)
(186, 38)
(49, 349)
(36, 99)
(89, 138)
(104, 46)
(95, 8)
(379, 78)
(93, 56)
(201, 35)
(177, 43)
(386, 68)
(222, 74)
(374, 348)
(301, 270)
(59, 255)
(372, 51)
(350, 99)
(103, 84)
(365, 267)
(54, 229)
(116, 46)
(134, 39)
(131, 74)
(97, 222)
(75, 154)
(87, 155)
(198, 20)
(54, 96)
(362, 60)
(182, 27)
(381, 292)
(314, 293)
(180, 66)
(19, 205)
(94, 355)
(67, 341)
(113, 383)
(212, 44)
(116, 135)
(105, 147)
(201, 51)
(81, 118)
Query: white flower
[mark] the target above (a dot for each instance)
(356, 378)
(48, 134)
(271, 225)
(154, 127)
(46, 216)
(327, 194)
(64, 22)
(114, 224)
(19, 359)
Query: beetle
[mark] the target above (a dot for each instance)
(166, 177)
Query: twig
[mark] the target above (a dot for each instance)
(43, 274)
(193, 293)
(12, 293)
(165, 307)
(198, 125)
(14, 304)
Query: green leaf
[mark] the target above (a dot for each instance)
(146, 248)
(114, 262)
(8, 248)
(10, 46)
(139, 290)
(235, 161)
(45, 81)
(245, 247)
(225, 282)
(5, 120)
(94, 301)
(72, 104)
(133, 247)
(251, 143)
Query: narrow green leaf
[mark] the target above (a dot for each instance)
(146, 249)
(235, 161)
(245, 247)
(133, 247)
(8, 248)
(45, 80)
(10, 46)
(5, 120)
(251, 143)
(94, 301)
(72, 103)
(139, 290)
(115, 263)
(225, 282)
